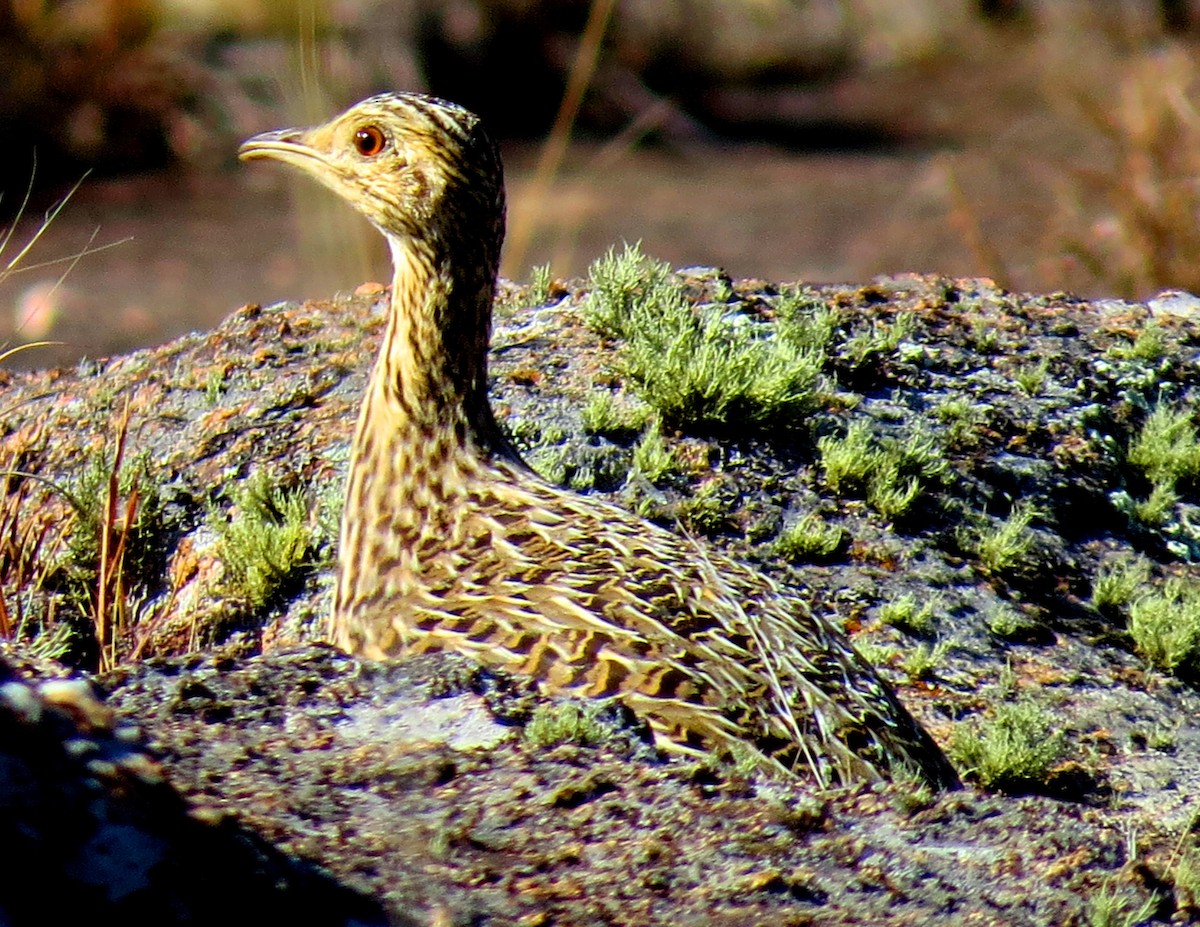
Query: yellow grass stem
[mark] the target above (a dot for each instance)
(555, 149)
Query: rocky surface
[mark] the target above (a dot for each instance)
(455, 796)
(93, 830)
(420, 784)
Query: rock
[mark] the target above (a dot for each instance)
(93, 831)
(997, 496)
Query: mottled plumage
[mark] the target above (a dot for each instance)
(449, 541)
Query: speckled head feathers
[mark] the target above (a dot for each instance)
(428, 176)
(416, 166)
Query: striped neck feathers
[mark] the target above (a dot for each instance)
(428, 389)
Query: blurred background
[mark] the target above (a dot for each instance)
(1049, 144)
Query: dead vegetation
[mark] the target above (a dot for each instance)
(1131, 219)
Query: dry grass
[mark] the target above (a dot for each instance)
(79, 557)
(29, 547)
(109, 611)
(1131, 222)
(555, 149)
(20, 263)
(35, 538)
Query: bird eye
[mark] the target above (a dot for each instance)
(370, 140)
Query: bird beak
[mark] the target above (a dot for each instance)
(287, 145)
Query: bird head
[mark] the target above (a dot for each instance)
(427, 175)
(417, 167)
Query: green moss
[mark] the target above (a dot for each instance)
(652, 457)
(962, 419)
(1186, 874)
(1158, 509)
(113, 562)
(532, 433)
(891, 473)
(215, 386)
(1165, 448)
(580, 466)
(1012, 624)
(919, 454)
(847, 462)
(1163, 738)
(911, 615)
(1116, 584)
(875, 652)
(613, 416)
(923, 660)
(1031, 378)
(1006, 682)
(892, 495)
(871, 341)
(567, 722)
(1151, 344)
(985, 335)
(542, 445)
(1006, 546)
(89, 498)
(1149, 347)
(702, 368)
(620, 283)
(1015, 747)
(709, 511)
(1116, 905)
(550, 462)
(805, 320)
(809, 538)
(540, 280)
(266, 542)
(1165, 626)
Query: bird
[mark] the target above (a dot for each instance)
(450, 541)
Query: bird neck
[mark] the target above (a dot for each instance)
(428, 390)
(426, 433)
